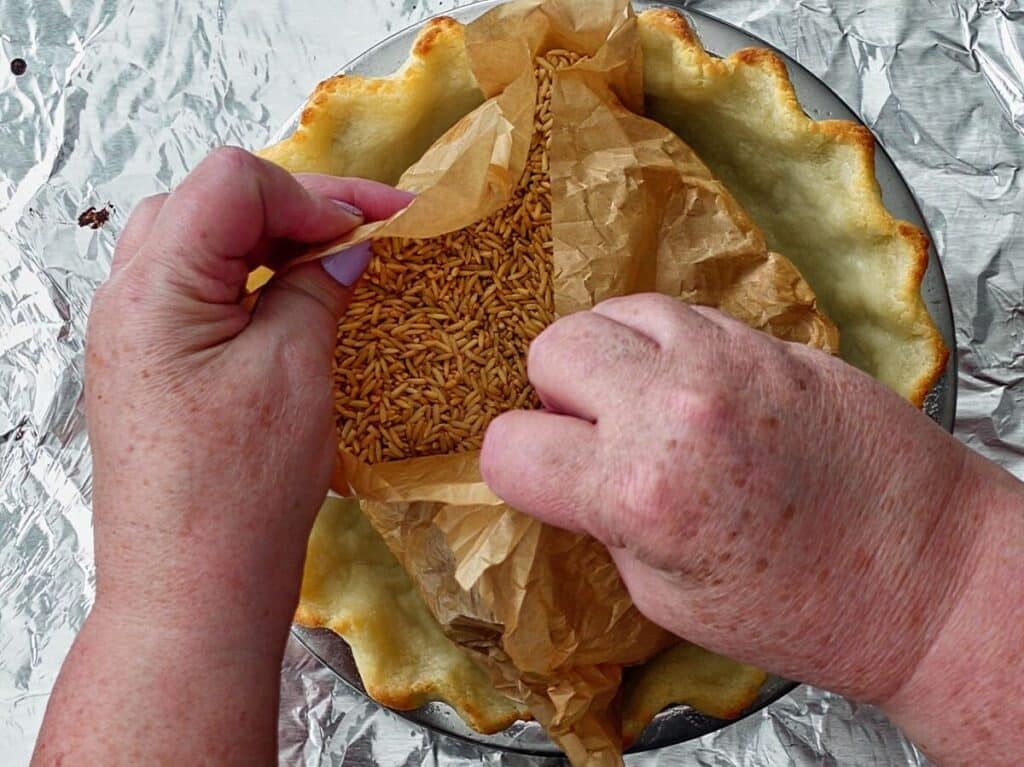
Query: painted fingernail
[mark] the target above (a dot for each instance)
(349, 208)
(347, 265)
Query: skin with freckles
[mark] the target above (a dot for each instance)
(777, 506)
(759, 498)
(213, 440)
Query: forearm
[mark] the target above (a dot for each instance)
(130, 693)
(961, 704)
(212, 434)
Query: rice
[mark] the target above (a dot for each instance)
(434, 343)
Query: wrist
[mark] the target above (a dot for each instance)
(237, 578)
(185, 650)
(204, 636)
(221, 691)
(955, 704)
(209, 601)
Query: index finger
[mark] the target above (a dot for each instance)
(376, 200)
(583, 364)
(206, 237)
(542, 464)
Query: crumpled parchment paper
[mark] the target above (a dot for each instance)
(633, 209)
(120, 98)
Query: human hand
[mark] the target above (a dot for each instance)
(211, 426)
(759, 498)
(213, 439)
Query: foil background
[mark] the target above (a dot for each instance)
(120, 98)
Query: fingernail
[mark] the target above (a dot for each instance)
(349, 208)
(347, 265)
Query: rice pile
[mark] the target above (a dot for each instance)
(434, 343)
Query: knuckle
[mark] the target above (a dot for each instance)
(139, 225)
(660, 302)
(231, 160)
(586, 343)
(802, 365)
(152, 203)
(717, 327)
(665, 309)
(128, 291)
(109, 305)
(787, 373)
(714, 315)
(146, 210)
(547, 344)
(648, 498)
(100, 299)
(621, 302)
(707, 415)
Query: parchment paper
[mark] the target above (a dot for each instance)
(633, 210)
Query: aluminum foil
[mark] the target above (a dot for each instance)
(119, 98)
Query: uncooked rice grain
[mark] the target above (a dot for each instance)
(434, 343)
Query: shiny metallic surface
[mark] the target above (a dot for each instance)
(674, 725)
(119, 98)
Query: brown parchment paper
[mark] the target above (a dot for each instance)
(633, 210)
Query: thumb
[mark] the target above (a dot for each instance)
(306, 302)
(222, 221)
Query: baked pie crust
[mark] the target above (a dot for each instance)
(809, 185)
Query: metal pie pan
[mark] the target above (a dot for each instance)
(678, 723)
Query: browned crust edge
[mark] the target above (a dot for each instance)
(438, 32)
(435, 29)
(632, 730)
(841, 132)
(418, 694)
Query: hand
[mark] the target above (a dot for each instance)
(213, 440)
(211, 426)
(759, 498)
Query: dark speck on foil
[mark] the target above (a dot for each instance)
(94, 218)
(18, 67)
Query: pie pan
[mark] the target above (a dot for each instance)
(679, 723)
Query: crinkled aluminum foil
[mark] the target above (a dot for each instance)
(120, 98)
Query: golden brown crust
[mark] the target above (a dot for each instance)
(402, 695)
(376, 128)
(672, 22)
(433, 34)
(686, 674)
(354, 586)
(920, 244)
(861, 143)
